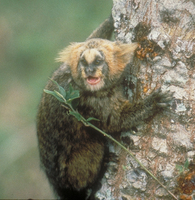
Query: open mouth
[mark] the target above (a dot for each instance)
(93, 80)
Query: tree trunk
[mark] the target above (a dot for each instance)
(165, 30)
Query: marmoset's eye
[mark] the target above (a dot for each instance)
(83, 62)
(98, 61)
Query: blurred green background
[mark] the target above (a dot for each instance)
(32, 32)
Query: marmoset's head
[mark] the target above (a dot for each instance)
(97, 64)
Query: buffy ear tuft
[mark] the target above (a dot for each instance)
(122, 55)
(69, 53)
(125, 52)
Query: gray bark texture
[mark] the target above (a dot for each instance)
(165, 58)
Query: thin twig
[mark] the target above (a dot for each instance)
(68, 105)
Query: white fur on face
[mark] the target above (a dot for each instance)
(90, 55)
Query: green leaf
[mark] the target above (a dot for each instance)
(75, 103)
(61, 89)
(180, 168)
(72, 94)
(49, 92)
(92, 118)
(59, 95)
(55, 94)
(77, 115)
(186, 164)
(70, 88)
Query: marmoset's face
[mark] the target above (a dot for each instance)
(97, 64)
(92, 69)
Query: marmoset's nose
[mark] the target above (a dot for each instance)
(90, 70)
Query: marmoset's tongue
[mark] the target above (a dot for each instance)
(93, 80)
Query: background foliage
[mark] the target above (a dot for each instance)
(31, 35)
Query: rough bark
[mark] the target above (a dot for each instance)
(165, 30)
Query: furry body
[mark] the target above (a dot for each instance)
(74, 156)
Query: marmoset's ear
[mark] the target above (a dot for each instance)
(70, 53)
(125, 52)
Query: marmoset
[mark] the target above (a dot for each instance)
(73, 155)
